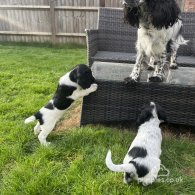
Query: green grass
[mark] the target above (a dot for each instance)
(74, 163)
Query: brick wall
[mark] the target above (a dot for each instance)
(189, 5)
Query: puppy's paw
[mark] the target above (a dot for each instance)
(145, 183)
(156, 78)
(93, 87)
(37, 130)
(173, 66)
(130, 80)
(46, 144)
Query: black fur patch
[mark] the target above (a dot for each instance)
(39, 117)
(73, 75)
(159, 13)
(168, 46)
(128, 177)
(60, 99)
(161, 113)
(82, 75)
(49, 106)
(164, 13)
(132, 15)
(145, 115)
(137, 152)
(140, 169)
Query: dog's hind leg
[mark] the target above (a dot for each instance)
(42, 137)
(127, 177)
(45, 131)
(37, 129)
(174, 48)
(173, 64)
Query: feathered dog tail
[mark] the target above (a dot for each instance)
(129, 168)
(30, 119)
(181, 41)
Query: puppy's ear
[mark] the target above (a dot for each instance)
(161, 113)
(145, 115)
(73, 75)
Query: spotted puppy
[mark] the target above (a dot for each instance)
(75, 84)
(142, 161)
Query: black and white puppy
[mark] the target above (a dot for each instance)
(142, 161)
(159, 35)
(75, 84)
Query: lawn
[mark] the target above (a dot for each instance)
(74, 163)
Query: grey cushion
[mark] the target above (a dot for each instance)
(186, 61)
(110, 71)
(107, 56)
(182, 76)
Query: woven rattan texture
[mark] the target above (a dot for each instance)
(114, 101)
(114, 35)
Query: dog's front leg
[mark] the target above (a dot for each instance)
(83, 92)
(135, 74)
(91, 89)
(158, 75)
(151, 63)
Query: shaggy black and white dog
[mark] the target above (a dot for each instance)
(159, 34)
(75, 84)
(142, 161)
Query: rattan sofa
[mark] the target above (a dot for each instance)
(111, 54)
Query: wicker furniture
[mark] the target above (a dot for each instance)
(111, 52)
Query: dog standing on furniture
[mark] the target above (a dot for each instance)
(75, 84)
(159, 35)
(142, 161)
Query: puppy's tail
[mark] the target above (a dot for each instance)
(30, 119)
(129, 168)
(181, 41)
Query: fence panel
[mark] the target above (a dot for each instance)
(118, 3)
(56, 21)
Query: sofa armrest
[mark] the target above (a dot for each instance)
(92, 44)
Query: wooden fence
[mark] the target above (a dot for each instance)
(117, 3)
(57, 21)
